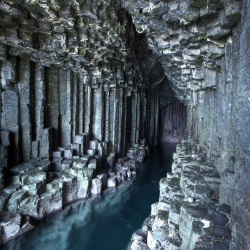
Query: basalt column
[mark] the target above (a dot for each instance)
(203, 48)
(76, 95)
(54, 105)
(173, 122)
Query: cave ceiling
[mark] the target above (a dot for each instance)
(177, 42)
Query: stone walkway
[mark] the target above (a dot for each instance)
(188, 214)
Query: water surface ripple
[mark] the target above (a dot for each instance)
(107, 221)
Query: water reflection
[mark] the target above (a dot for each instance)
(106, 221)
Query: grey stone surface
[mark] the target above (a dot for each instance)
(110, 73)
(188, 216)
(46, 143)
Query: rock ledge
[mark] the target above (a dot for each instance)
(188, 214)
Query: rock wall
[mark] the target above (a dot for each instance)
(76, 95)
(188, 214)
(95, 77)
(203, 49)
(173, 122)
(47, 107)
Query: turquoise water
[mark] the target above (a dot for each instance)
(105, 222)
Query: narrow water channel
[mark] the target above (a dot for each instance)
(105, 222)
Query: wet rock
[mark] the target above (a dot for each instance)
(33, 176)
(33, 188)
(96, 186)
(67, 164)
(57, 154)
(154, 209)
(22, 168)
(46, 143)
(43, 165)
(111, 182)
(10, 225)
(138, 241)
(83, 187)
(161, 220)
(219, 219)
(189, 214)
(174, 211)
(29, 206)
(69, 190)
(138, 245)
(186, 217)
(92, 164)
(69, 68)
(15, 199)
(158, 238)
(68, 153)
(4, 156)
(164, 205)
(103, 179)
(50, 202)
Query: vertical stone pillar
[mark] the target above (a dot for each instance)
(0, 88)
(25, 122)
(40, 98)
(124, 124)
(189, 122)
(52, 104)
(138, 117)
(97, 126)
(116, 120)
(65, 89)
(120, 121)
(46, 143)
(88, 109)
(81, 105)
(107, 114)
(151, 120)
(113, 119)
(156, 120)
(9, 121)
(133, 118)
(75, 108)
(143, 111)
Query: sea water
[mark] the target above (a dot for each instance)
(106, 221)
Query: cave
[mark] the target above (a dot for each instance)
(88, 88)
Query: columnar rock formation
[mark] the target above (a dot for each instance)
(87, 80)
(76, 94)
(203, 47)
(188, 214)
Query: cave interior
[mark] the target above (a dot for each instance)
(86, 83)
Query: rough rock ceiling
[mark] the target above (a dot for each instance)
(94, 38)
(188, 37)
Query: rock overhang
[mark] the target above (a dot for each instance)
(93, 38)
(187, 37)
